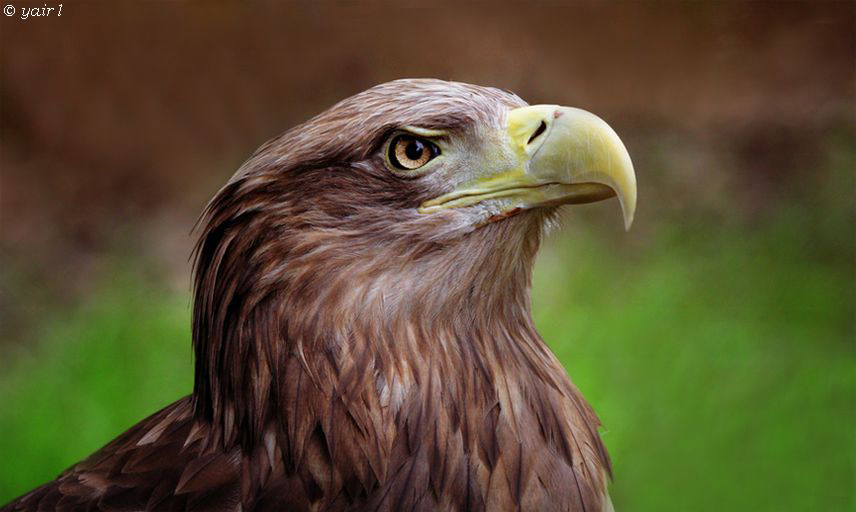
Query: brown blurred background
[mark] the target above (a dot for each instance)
(124, 116)
(118, 120)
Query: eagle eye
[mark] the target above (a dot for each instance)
(407, 152)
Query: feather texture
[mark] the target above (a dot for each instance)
(352, 354)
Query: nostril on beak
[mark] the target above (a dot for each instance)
(541, 129)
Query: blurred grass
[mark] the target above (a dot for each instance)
(94, 371)
(722, 370)
(720, 356)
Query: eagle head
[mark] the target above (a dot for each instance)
(362, 323)
(393, 230)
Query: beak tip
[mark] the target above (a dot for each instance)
(628, 209)
(628, 222)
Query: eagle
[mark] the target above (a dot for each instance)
(362, 325)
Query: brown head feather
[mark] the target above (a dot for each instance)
(353, 354)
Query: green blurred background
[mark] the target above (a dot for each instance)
(716, 340)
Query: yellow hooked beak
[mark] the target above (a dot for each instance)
(551, 155)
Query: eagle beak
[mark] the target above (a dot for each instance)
(557, 155)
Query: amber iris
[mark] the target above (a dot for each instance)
(408, 152)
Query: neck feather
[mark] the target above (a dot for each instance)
(310, 340)
(352, 306)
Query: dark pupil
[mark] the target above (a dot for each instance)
(414, 150)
